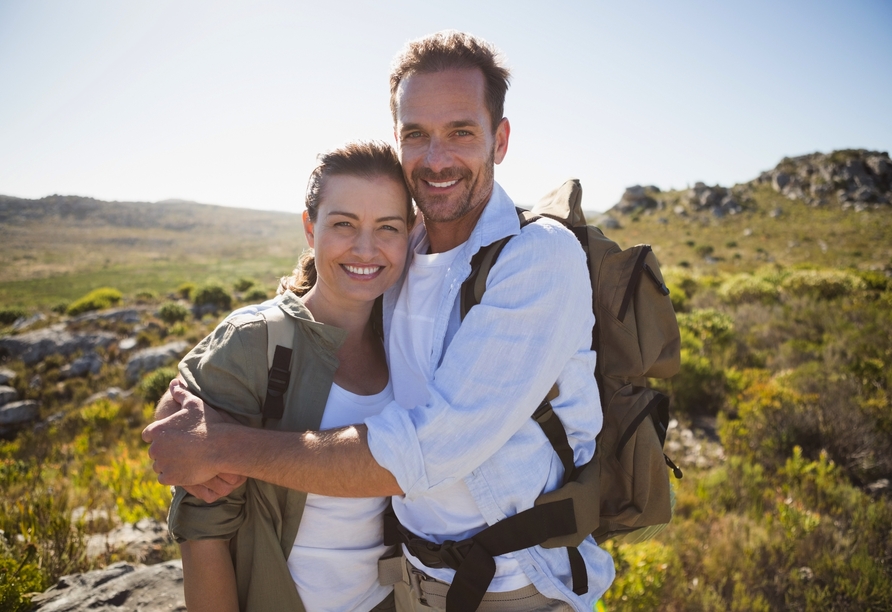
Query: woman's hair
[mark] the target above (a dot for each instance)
(363, 159)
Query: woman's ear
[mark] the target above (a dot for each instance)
(309, 228)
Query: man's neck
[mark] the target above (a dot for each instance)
(446, 235)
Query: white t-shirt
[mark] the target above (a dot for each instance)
(451, 510)
(334, 561)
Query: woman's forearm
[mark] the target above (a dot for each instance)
(208, 576)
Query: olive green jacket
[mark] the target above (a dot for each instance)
(229, 370)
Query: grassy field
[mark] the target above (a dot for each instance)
(52, 257)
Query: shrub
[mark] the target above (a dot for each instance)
(243, 284)
(704, 250)
(185, 290)
(212, 295)
(138, 494)
(98, 299)
(8, 316)
(256, 295)
(154, 384)
(172, 312)
(822, 284)
(743, 288)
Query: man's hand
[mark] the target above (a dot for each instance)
(182, 444)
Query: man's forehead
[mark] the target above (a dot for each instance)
(460, 91)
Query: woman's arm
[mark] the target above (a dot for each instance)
(208, 576)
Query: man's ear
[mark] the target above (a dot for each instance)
(309, 228)
(503, 132)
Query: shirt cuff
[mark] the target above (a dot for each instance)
(393, 443)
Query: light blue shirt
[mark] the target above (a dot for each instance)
(532, 328)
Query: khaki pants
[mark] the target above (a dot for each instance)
(415, 591)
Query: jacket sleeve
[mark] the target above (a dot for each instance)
(227, 370)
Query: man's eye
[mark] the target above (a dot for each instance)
(462, 133)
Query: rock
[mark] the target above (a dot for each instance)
(90, 363)
(25, 323)
(153, 358)
(127, 344)
(636, 199)
(6, 376)
(112, 393)
(119, 315)
(121, 587)
(7, 394)
(14, 415)
(142, 540)
(35, 346)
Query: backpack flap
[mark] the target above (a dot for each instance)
(637, 320)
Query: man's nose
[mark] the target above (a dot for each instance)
(438, 156)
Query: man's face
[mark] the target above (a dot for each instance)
(446, 143)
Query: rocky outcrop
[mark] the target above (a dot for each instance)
(637, 199)
(122, 587)
(32, 347)
(856, 179)
(153, 358)
(6, 376)
(717, 200)
(118, 315)
(90, 363)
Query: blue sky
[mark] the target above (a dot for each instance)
(229, 102)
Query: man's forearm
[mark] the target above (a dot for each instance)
(337, 462)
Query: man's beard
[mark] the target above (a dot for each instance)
(475, 193)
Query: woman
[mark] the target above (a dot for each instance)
(357, 221)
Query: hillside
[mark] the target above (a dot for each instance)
(69, 240)
(830, 210)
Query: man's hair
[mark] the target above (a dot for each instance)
(363, 159)
(452, 50)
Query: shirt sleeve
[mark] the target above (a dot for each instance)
(227, 370)
(534, 318)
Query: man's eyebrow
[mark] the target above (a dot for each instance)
(458, 123)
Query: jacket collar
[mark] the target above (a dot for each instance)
(329, 336)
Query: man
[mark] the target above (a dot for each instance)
(458, 448)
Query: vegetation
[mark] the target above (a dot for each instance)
(786, 330)
(97, 299)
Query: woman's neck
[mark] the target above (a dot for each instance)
(350, 315)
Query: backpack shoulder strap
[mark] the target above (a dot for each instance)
(475, 285)
(280, 340)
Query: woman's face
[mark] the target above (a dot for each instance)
(360, 236)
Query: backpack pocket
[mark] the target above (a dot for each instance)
(631, 463)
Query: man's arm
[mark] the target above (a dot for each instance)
(213, 489)
(194, 444)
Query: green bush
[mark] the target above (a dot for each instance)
(8, 316)
(155, 384)
(185, 290)
(256, 295)
(212, 295)
(98, 299)
(743, 288)
(243, 284)
(822, 284)
(172, 312)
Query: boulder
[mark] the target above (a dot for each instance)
(14, 415)
(112, 393)
(6, 376)
(121, 587)
(32, 347)
(636, 199)
(153, 358)
(7, 394)
(90, 363)
(142, 540)
(118, 315)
